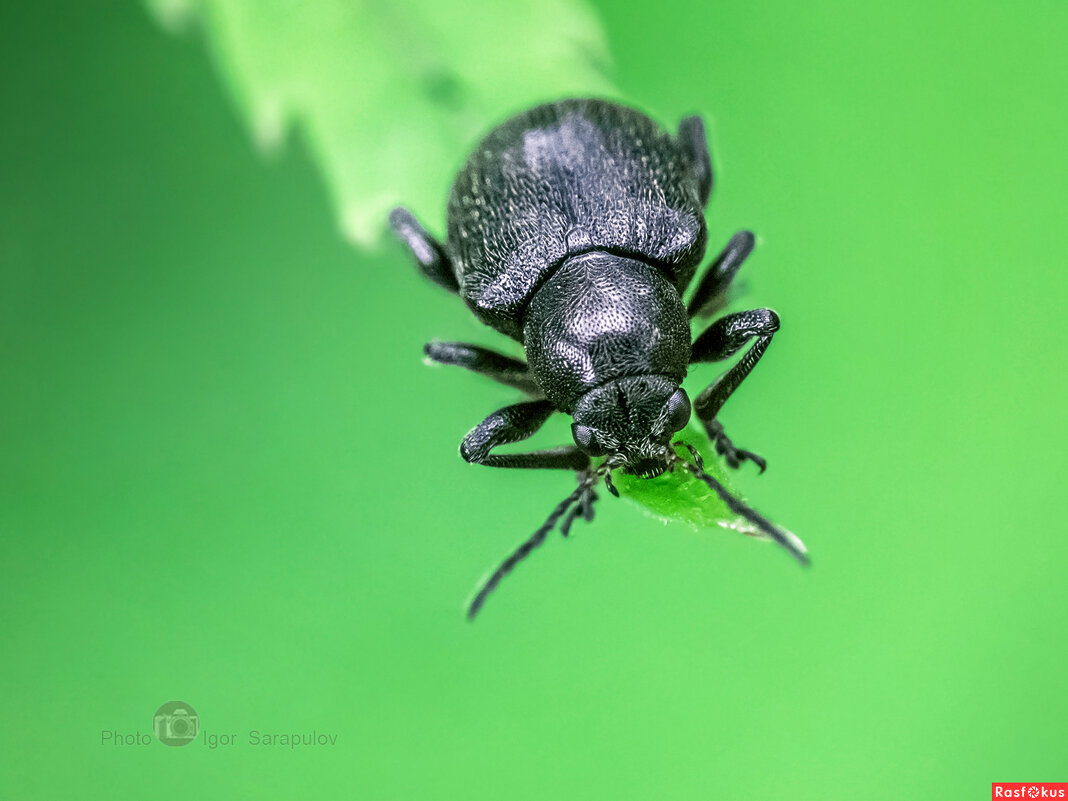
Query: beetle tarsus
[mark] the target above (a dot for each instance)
(695, 454)
(732, 455)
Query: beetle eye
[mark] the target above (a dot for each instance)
(585, 439)
(678, 411)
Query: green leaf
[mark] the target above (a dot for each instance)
(389, 97)
(679, 497)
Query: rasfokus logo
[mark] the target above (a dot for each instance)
(1029, 790)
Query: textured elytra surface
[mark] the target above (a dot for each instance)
(602, 317)
(565, 178)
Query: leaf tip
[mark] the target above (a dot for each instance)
(269, 124)
(174, 16)
(363, 223)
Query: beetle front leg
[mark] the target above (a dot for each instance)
(711, 294)
(513, 424)
(723, 339)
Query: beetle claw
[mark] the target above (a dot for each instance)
(735, 456)
(759, 461)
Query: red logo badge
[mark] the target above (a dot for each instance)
(1029, 790)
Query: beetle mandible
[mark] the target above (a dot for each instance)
(575, 228)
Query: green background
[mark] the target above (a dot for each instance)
(229, 479)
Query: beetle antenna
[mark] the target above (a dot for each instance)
(791, 544)
(584, 507)
(523, 551)
(585, 504)
(565, 527)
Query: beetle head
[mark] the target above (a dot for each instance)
(631, 420)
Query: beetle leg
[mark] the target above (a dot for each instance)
(512, 424)
(695, 142)
(711, 294)
(491, 364)
(731, 455)
(428, 252)
(721, 340)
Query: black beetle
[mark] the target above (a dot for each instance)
(575, 228)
